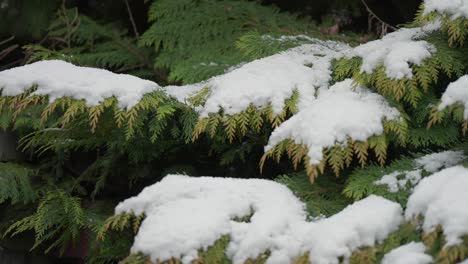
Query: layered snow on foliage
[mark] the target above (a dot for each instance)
(441, 200)
(397, 51)
(436, 161)
(185, 214)
(412, 253)
(455, 8)
(399, 180)
(361, 224)
(337, 114)
(269, 80)
(457, 92)
(430, 163)
(56, 79)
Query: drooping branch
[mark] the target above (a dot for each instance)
(385, 26)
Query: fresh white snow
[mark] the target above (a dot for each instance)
(337, 114)
(436, 161)
(268, 81)
(457, 92)
(412, 253)
(441, 200)
(57, 79)
(430, 163)
(184, 214)
(455, 8)
(397, 51)
(395, 184)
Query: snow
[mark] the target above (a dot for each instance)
(430, 163)
(457, 92)
(455, 8)
(268, 81)
(397, 51)
(412, 253)
(56, 79)
(436, 161)
(184, 214)
(337, 114)
(464, 262)
(184, 93)
(394, 184)
(441, 199)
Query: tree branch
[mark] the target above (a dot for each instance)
(137, 36)
(376, 17)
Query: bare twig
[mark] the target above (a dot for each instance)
(137, 35)
(373, 16)
(7, 51)
(7, 40)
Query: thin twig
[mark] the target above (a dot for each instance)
(378, 18)
(137, 36)
(7, 51)
(7, 40)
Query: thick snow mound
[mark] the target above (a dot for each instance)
(457, 92)
(337, 114)
(455, 8)
(441, 200)
(397, 51)
(412, 253)
(359, 225)
(185, 214)
(268, 81)
(56, 79)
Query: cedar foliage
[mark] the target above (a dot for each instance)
(125, 143)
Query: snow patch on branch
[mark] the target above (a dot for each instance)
(412, 253)
(268, 81)
(185, 214)
(457, 92)
(337, 114)
(56, 79)
(441, 200)
(429, 163)
(455, 8)
(399, 180)
(436, 161)
(397, 51)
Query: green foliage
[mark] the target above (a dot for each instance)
(360, 183)
(205, 47)
(323, 198)
(16, 183)
(59, 219)
(455, 28)
(79, 39)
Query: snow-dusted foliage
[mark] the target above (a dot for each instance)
(57, 79)
(185, 214)
(429, 163)
(455, 8)
(399, 180)
(457, 92)
(441, 200)
(396, 51)
(436, 161)
(322, 124)
(412, 253)
(268, 81)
